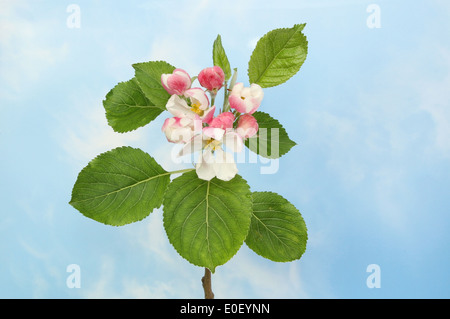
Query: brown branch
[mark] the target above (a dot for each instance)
(206, 282)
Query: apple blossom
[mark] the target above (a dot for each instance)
(178, 107)
(198, 99)
(246, 99)
(180, 130)
(223, 120)
(247, 126)
(177, 82)
(216, 163)
(212, 78)
(213, 160)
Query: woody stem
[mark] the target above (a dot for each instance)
(206, 282)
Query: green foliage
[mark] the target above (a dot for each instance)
(220, 57)
(207, 221)
(278, 56)
(271, 140)
(277, 231)
(127, 108)
(120, 186)
(148, 75)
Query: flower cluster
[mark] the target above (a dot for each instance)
(195, 124)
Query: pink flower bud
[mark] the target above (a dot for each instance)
(177, 82)
(246, 99)
(212, 78)
(223, 120)
(247, 126)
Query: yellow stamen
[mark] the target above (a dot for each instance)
(196, 108)
(213, 144)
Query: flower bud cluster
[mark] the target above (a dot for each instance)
(195, 124)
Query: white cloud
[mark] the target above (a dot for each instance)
(84, 133)
(248, 274)
(105, 279)
(134, 288)
(435, 99)
(110, 283)
(26, 49)
(245, 272)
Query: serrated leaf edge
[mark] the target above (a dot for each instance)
(71, 202)
(281, 127)
(300, 28)
(110, 92)
(249, 196)
(301, 216)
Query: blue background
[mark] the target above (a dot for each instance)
(369, 110)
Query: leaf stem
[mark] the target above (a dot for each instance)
(225, 97)
(206, 283)
(213, 97)
(181, 171)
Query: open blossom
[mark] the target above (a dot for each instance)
(213, 160)
(180, 108)
(194, 124)
(246, 99)
(177, 82)
(212, 78)
(198, 99)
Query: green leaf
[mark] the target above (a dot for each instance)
(278, 56)
(271, 140)
(148, 75)
(220, 57)
(207, 221)
(277, 231)
(127, 108)
(120, 186)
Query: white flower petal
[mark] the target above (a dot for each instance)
(194, 145)
(179, 107)
(225, 168)
(205, 168)
(233, 141)
(214, 132)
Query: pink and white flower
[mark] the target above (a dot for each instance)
(247, 126)
(177, 82)
(213, 160)
(195, 126)
(198, 100)
(246, 99)
(224, 121)
(181, 129)
(212, 78)
(199, 108)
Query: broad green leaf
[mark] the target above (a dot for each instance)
(127, 108)
(220, 57)
(277, 231)
(271, 140)
(120, 186)
(278, 56)
(207, 221)
(148, 75)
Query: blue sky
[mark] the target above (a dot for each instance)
(369, 110)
